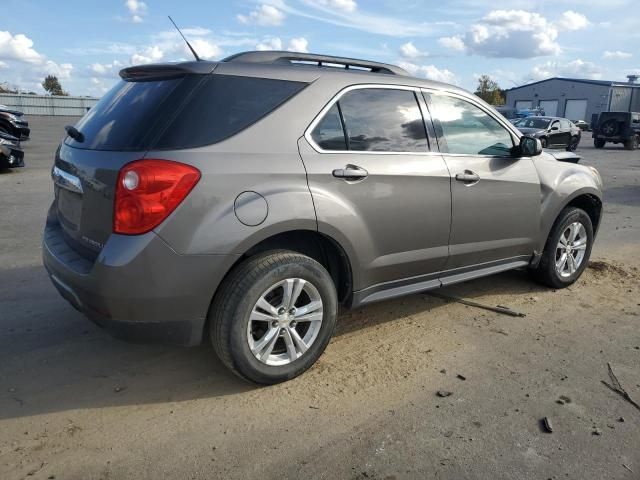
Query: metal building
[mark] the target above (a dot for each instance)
(576, 99)
(47, 104)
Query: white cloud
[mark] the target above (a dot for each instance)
(18, 47)
(3, 65)
(452, 43)
(344, 5)
(617, 54)
(106, 70)
(429, 71)
(264, 15)
(515, 34)
(298, 45)
(571, 20)
(379, 24)
(409, 50)
(270, 44)
(137, 10)
(148, 55)
(576, 69)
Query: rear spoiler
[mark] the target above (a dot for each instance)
(165, 71)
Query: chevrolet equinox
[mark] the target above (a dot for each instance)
(245, 200)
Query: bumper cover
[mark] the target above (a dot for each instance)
(138, 288)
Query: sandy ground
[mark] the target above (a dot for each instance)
(78, 404)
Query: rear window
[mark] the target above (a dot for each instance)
(186, 112)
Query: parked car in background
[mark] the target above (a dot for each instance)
(553, 132)
(11, 155)
(582, 125)
(244, 200)
(13, 123)
(618, 127)
(509, 113)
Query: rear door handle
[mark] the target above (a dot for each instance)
(350, 172)
(468, 177)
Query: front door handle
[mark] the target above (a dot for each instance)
(350, 172)
(468, 177)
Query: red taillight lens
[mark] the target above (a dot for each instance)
(148, 191)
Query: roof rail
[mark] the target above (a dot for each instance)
(279, 57)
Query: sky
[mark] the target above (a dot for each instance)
(86, 42)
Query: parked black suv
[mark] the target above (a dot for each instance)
(618, 127)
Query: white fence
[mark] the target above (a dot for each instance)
(48, 104)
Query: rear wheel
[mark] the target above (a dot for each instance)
(632, 143)
(273, 316)
(573, 144)
(567, 250)
(599, 142)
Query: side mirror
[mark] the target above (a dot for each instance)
(555, 127)
(530, 146)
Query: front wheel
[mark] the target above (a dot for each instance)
(273, 316)
(543, 142)
(567, 250)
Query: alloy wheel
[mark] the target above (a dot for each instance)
(571, 249)
(285, 321)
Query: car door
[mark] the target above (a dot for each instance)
(555, 134)
(378, 189)
(565, 133)
(495, 195)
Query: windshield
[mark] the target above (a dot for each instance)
(529, 122)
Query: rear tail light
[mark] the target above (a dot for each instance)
(148, 191)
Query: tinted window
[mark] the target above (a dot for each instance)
(469, 130)
(121, 120)
(224, 106)
(383, 120)
(145, 115)
(532, 122)
(329, 134)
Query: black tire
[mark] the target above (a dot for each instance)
(599, 142)
(237, 296)
(546, 272)
(543, 142)
(573, 144)
(632, 143)
(610, 128)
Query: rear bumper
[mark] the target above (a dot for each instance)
(22, 130)
(138, 288)
(11, 157)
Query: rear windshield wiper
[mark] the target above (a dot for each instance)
(74, 133)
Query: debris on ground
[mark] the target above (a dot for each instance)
(546, 423)
(627, 467)
(461, 377)
(498, 309)
(443, 393)
(119, 389)
(617, 388)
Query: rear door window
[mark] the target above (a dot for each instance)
(383, 120)
(329, 134)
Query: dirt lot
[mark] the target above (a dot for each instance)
(78, 404)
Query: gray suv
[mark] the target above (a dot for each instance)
(245, 200)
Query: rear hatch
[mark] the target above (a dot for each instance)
(153, 108)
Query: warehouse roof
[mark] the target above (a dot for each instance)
(604, 83)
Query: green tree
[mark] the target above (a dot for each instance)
(489, 90)
(51, 84)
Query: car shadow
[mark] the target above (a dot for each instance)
(52, 359)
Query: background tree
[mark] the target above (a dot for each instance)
(489, 90)
(51, 84)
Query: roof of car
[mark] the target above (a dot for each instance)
(290, 65)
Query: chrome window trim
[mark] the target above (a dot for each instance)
(65, 180)
(338, 96)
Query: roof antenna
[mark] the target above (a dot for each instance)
(198, 59)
